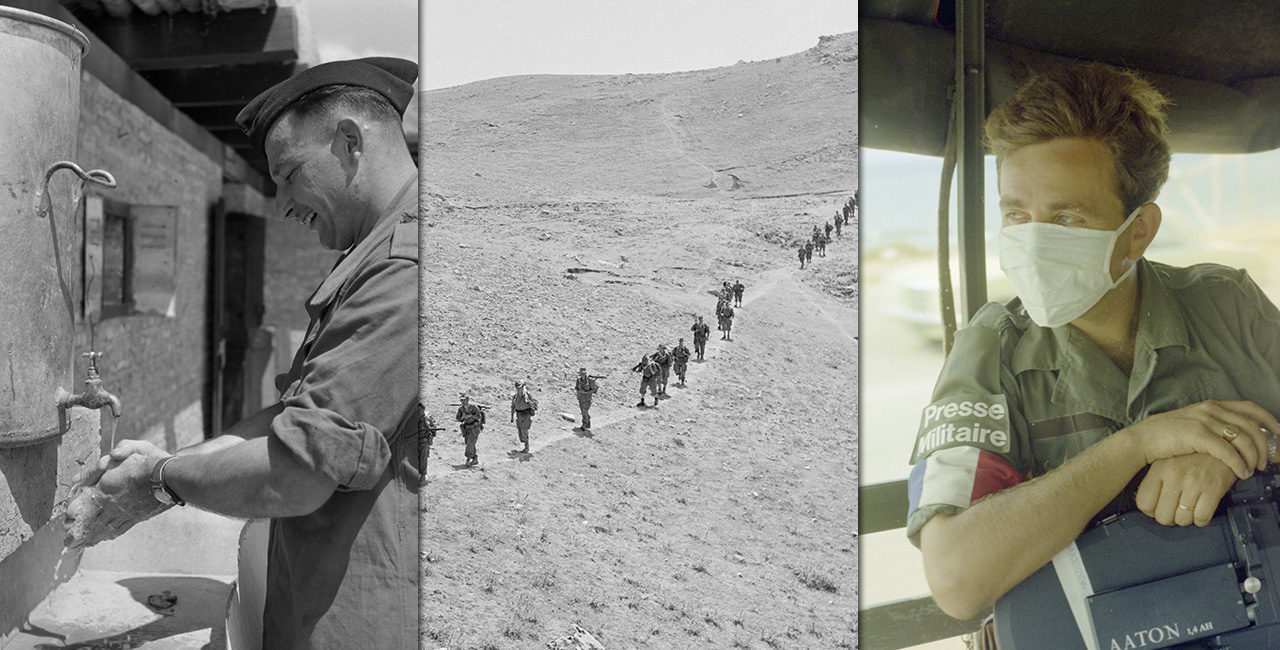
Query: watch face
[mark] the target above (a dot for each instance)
(158, 489)
(162, 495)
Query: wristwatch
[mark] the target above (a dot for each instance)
(163, 493)
(1272, 443)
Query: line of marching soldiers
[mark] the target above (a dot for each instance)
(472, 417)
(655, 370)
(822, 236)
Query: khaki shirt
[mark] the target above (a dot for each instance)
(346, 575)
(680, 354)
(523, 402)
(1015, 400)
(471, 416)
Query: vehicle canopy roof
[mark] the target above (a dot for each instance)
(1217, 60)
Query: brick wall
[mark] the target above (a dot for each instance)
(296, 264)
(158, 366)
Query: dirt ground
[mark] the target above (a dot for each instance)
(723, 518)
(581, 221)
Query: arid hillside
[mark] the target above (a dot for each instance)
(726, 516)
(785, 125)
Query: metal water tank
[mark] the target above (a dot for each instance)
(39, 119)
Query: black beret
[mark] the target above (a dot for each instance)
(390, 77)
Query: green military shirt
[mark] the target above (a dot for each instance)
(1015, 400)
(346, 575)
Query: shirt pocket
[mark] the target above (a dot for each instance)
(1056, 440)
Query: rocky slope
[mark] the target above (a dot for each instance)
(725, 517)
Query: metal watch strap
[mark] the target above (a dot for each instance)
(1273, 440)
(158, 484)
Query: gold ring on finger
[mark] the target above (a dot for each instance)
(1184, 507)
(1230, 433)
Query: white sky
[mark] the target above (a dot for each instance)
(348, 29)
(470, 40)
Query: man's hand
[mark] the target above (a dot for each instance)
(1229, 431)
(119, 454)
(113, 496)
(1183, 490)
(118, 499)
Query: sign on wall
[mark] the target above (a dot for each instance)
(155, 245)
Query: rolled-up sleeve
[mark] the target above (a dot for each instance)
(972, 439)
(359, 374)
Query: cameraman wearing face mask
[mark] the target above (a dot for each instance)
(1111, 378)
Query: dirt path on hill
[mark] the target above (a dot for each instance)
(725, 518)
(500, 430)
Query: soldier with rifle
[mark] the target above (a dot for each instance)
(663, 359)
(726, 322)
(586, 389)
(701, 332)
(680, 360)
(649, 372)
(472, 418)
(427, 430)
(523, 408)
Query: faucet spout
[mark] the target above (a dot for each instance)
(94, 395)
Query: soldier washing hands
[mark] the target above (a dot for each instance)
(335, 463)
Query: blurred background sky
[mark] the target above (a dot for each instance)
(346, 29)
(470, 40)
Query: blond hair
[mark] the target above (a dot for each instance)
(1117, 108)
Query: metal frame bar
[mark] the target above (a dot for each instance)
(970, 62)
(910, 621)
(882, 506)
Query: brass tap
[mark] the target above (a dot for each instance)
(94, 396)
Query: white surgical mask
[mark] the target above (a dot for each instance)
(1061, 272)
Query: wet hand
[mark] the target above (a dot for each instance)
(116, 456)
(1184, 490)
(120, 500)
(114, 496)
(1230, 431)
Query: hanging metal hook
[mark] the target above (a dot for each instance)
(96, 176)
